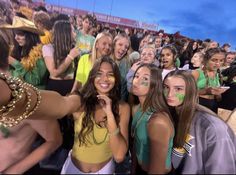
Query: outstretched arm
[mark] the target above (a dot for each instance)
(54, 106)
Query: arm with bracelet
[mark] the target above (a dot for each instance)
(50, 61)
(118, 132)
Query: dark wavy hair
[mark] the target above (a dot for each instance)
(31, 39)
(173, 50)
(4, 52)
(89, 98)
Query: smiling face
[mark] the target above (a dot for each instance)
(121, 47)
(174, 90)
(105, 79)
(197, 60)
(20, 38)
(141, 82)
(147, 55)
(104, 46)
(167, 58)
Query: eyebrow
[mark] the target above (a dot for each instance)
(105, 71)
(179, 86)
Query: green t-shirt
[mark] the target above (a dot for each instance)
(84, 42)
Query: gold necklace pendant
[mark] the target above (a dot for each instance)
(99, 143)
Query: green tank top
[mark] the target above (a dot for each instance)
(202, 82)
(141, 140)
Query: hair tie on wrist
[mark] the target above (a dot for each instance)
(72, 59)
(114, 132)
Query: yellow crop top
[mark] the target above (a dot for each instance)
(97, 150)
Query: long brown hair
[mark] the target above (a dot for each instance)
(89, 98)
(4, 52)
(154, 99)
(183, 114)
(62, 41)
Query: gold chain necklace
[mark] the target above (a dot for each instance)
(99, 126)
(99, 143)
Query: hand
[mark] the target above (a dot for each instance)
(105, 103)
(74, 52)
(216, 90)
(136, 65)
(11, 60)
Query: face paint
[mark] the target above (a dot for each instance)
(111, 78)
(144, 83)
(180, 97)
(234, 81)
(165, 92)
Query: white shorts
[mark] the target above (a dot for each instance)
(70, 168)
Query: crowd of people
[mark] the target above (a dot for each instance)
(79, 97)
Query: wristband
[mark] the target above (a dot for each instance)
(72, 59)
(114, 132)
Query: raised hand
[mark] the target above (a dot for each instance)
(136, 65)
(74, 52)
(105, 103)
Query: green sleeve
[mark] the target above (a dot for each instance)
(177, 63)
(37, 76)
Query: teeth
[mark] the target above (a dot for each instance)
(104, 85)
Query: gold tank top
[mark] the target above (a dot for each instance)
(97, 149)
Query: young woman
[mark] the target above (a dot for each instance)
(59, 57)
(147, 54)
(101, 123)
(203, 143)
(152, 126)
(102, 47)
(209, 80)
(197, 60)
(26, 58)
(121, 45)
(168, 59)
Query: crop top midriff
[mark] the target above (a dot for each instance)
(97, 149)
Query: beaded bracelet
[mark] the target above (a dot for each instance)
(114, 132)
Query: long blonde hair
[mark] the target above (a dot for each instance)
(117, 37)
(93, 57)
